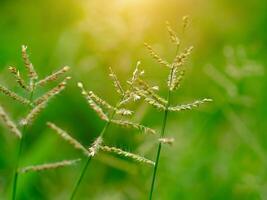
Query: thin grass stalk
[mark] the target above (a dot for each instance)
(164, 123)
(159, 145)
(16, 176)
(84, 169)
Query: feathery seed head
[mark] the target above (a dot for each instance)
(128, 124)
(121, 152)
(53, 76)
(116, 82)
(18, 78)
(29, 66)
(14, 96)
(166, 140)
(92, 102)
(172, 34)
(185, 22)
(189, 106)
(156, 56)
(95, 146)
(63, 134)
(10, 124)
(48, 166)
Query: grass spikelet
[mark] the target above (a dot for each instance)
(116, 82)
(176, 82)
(156, 56)
(32, 115)
(93, 104)
(136, 74)
(18, 78)
(48, 166)
(172, 34)
(189, 106)
(169, 141)
(180, 59)
(121, 152)
(124, 112)
(56, 90)
(95, 146)
(185, 22)
(128, 124)
(63, 134)
(54, 76)
(29, 66)
(100, 101)
(14, 96)
(9, 123)
(147, 89)
(151, 100)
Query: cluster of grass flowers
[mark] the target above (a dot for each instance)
(111, 115)
(34, 107)
(176, 72)
(135, 89)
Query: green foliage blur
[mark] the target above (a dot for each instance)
(220, 149)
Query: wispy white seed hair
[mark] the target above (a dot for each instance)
(174, 38)
(29, 66)
(92, 103)
(121, 152)
(14, 96)
(18, 78)
(166, 140)
(53, 76)
(116, 82)
(95, 146)
(49, 166)
(156, 56)
(56, 90)
(9, 123)
(63, 134)
(128, 124)
(189, 106)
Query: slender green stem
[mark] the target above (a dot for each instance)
(16, 175)
(17, 166)
(84, 169)
(81, 177)
(159, 145)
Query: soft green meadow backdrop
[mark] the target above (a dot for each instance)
(220, 149)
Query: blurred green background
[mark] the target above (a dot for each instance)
(220, 149)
